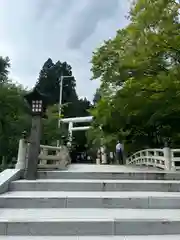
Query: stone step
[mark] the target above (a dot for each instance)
(88, 222)
(153, 237)
(141, 200)
(133, 174)
(95, 185)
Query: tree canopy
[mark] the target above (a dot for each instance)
(139, 72)
(49, 83)
(14, 114)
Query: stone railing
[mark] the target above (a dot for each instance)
(165, 158)
(175, 159)
(50, 157)
(53, 157)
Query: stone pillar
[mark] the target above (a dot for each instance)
(98, 158)
(103, 155)
(167, 156)
(103, 152)
(44, 153)
(22, 151)
(64, 158)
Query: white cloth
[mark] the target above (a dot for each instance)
(119, 147)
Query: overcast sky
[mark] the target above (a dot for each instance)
(31, 31)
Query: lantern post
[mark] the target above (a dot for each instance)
(38, 103)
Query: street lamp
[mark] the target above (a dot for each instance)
(60, 101)
(38, 103)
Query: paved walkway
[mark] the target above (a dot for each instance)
(108, 168)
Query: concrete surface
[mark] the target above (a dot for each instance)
(44, 199)
(90, 171)
(88, 222)
(7, 176)
(107, 168)
(95, 185)
(153, 237)
(62, 214)
(95, 201)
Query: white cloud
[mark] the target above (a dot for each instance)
(33, 30)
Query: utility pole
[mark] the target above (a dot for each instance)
(61, 79)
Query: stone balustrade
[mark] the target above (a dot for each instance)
(50, 157)
(54, 157)
(165, 158)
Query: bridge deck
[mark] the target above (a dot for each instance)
(109, 168)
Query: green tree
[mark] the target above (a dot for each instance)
(97, 96)
(49, 83)
(50, 127)
(4, 65)
(139, 72)
(13, 119)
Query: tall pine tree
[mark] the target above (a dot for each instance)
(49, 83)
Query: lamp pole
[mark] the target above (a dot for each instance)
(34, 148)
(60, 101)
(38, 103)
(60, 98)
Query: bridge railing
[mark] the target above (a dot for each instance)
(148, 157)
(175, 159)
(50, 157)
(162, 158)
(53, 157)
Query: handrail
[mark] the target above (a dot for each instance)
(49, 157)
(149, 157)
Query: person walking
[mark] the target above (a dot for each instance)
(119, 153)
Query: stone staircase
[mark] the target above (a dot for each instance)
(90, 202)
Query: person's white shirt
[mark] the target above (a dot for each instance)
(119, 147)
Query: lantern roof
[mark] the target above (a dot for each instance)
(35, 94)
